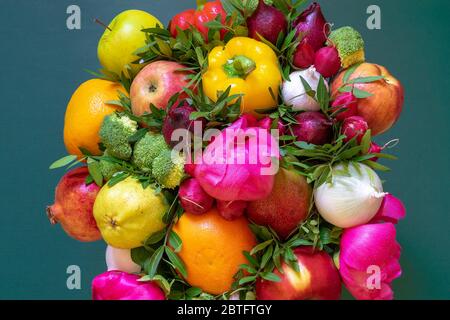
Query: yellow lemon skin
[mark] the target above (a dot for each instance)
(122, 38)
(127, 214)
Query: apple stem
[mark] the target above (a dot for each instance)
(102, 24)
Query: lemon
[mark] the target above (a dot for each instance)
(127, 214)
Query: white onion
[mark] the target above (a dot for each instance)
(350, 199)
(120, 259)
(294, 92)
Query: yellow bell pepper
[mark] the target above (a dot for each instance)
(250, 67)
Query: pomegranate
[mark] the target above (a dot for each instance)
(74, 201)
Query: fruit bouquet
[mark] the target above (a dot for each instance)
(230, 156)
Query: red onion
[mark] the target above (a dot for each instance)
(348, 102)
(193, 198)
(312, 25)
(303, 56)
(230, 210)
(374, 148)
(178, 118)
(313, 127)
(266, 123)
(354, 127)
(267, 22)
(327, 61)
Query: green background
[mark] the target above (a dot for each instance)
(42, 64)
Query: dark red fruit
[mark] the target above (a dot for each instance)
(304, 56)
(311, 24)
(178, 118)
(313, 127)
(327, 61)
(354, 127)
(193, 198)
(267, 22)
(348, 103)
(74, 202)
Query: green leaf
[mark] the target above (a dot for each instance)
(151, 265)
(193, 292)
(261, 246)
(270, 276)
(300, 242)
(308, 90)
(95, 172)
(250, 259)
(139, 255)
(176, 261)
(366, 79)
(137, 135)
(349, 72)
(365, 142)
(118, 178)
(247, 280)
(175, 241)
(155, 238)
(376, 166)
(360, 94)
(266, 256)
(323, 97)
(63, 162)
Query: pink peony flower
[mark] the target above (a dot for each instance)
(369, 261)
(118, 285)
(240, 163)
(391, 210)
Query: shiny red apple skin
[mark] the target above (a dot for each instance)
(156, 84)
(383, 108)
(318, 279)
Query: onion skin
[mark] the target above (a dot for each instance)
(267, 22)
(303, 56)
(313, 127)
(118, 285)
(392, 210)
(348, 102)
(354, 127)
(193, 198)
(73, 207)
(349, 201)
(231, 210)
(327, 61)
(313, 26)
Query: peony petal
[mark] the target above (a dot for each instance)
(232, 166)
(391, 210)
(365, 251)
(118, 285)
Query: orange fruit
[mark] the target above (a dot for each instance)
(212, 249)
(85, 113)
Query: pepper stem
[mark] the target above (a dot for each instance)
(239, 67)
(201, 3)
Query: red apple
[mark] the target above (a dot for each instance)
(318, 279)
(286, 206)
(383, 108)
(156, 84)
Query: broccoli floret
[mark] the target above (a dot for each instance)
(349, 44)
(108, 168)
(147, 149)
(114, 134)
(168, 169)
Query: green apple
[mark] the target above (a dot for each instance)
(122, 38)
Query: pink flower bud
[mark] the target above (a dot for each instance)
(369, 261)
(118, 285)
